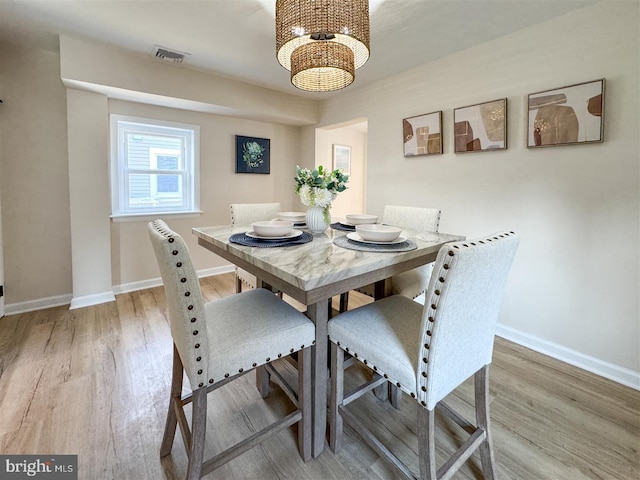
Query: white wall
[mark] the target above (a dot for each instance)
(133, 260)
(90, 205)
(575, 282)
(352, 200)
(35, 178)
(126, 75)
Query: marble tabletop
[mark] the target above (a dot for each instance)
(321, 263)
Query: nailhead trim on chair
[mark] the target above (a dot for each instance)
(187, 293)
(431, 318)
(255, 364)
(433, 301)
(376, 369)
(194, 320)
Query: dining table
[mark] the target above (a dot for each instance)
(314, 271)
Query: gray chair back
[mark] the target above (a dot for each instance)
(419, 219)
(184, 299)
(247, 213)
(461, 311)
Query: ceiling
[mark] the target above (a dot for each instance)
(236, 38)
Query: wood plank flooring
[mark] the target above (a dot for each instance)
(95, 382)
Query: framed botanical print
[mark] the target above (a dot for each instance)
(252, 154)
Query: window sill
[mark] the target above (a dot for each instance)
(148, 217)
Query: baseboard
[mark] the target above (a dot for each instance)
(210, 272)
(88, 300)
(135, 286)
(39, 304)
(156, 282)
(608, 370)
(93, 299)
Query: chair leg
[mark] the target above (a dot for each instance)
(305, 404)
(337, 397)
(481, 382)
(238, 285)
(344, 302)
(382, 391)
(198, 430)
(262, 381)
(395, 395)
(426, 443)
(174, 398)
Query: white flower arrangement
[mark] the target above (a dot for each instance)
(319, 187)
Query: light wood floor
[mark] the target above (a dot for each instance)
(95, 381)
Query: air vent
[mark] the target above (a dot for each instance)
(167, 55)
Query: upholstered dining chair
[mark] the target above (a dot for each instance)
(413, 283)
(428, 351)
(216, 342)
(246, 214)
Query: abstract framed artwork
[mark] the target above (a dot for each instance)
(422, 134)
(481, 127)
(566, 115)
(252, 154)
(342, 158)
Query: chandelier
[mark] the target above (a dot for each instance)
(322, 42)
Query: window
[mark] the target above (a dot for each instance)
(154, 167)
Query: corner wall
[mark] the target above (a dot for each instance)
(90, 201)
(573, 290)
(34, 181)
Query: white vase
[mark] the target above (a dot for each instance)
(316, 222)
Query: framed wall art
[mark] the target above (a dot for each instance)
(342, 158)
(567, 115)
(422, 134)
(481, 127)
(252, 154)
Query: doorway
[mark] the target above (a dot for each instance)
(349, 137)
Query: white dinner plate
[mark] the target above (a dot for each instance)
(357, 238)
(296, 217)
(290, 236)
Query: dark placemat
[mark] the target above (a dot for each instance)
(343, 228)
(345, 242)
(243, 239)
